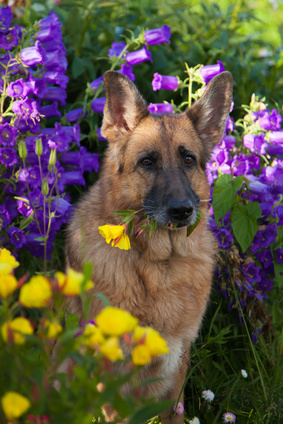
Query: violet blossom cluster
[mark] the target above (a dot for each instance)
(37, 162)
(259, 159)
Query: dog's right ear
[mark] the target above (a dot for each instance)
(124, 107)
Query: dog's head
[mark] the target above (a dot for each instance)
(159, 160)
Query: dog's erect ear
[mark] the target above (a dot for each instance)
(210, 112)
(124, 107)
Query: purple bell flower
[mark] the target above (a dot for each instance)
(270, 121)
(6, 18)
(97, 83)
(33, 55)
(138, 56)
(158, 35)
(52, 94)
(210, 71)
(99, 135)
(8, 157)
(97, 105)
(128, 71)
(116, 49)
(275, 137)
(26, 109)
(16, 237)
(18, 89)
(160, 108)
(11, 39)
(223, 237)
(76, 114)
(164, 82)
(279, 255)
(252, 273)
(49, 110)
(72, 178)
(8, 135)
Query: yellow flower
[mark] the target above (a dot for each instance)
(152, 340)
(116, 234)
(93, 336)
(16, 328)
(7, 261)
(36, 293)
(53, 329)
(71, 284)
(115, 322)
(8, 284)
(111, 349)
(14, 405)
(141, 355)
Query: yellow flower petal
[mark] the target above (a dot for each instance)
(141, 355)
(53, 329)
(14, 405)
(7, 261)
(114, 232)
(123, 243)
(16, 327)
(8, 284)
(93, 336)
(115, 322)
(111, 349)
(36, 293)
(72, 283)
(152, 340)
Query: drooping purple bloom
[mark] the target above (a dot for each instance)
(16, 237)
(56, 77)
(164, 82)
(18, 89)
(128, 71)
(26, 109)
(97, 105)
(138, 56)
(85, 160)
(33, 55)
(8, 157)
(227, 142)
(55, 59)
(210, 71)
(264, 238)
(158, 35)
(49, 33)
(99, 135)
(252, 273)
(116, 49)
(49, 110)
(160, 108)
(275, 149)
(98, 82)
(256, 143)
(60, 205)
(270, 121)
(76, 114)
(6, 17)
(275, 137)
(279, 255)
(8, 135)
(224, 238)
(72, 178)
(52, 94)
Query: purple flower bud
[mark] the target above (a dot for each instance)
(18, 89)
(138, 56)
(32, 55)
(97, 105)
(160, 108)
(8, 157)
(165, 82)
(116, 49)
(76, 114)
(158, 35)
(210, 71)
(97, 83)
(16, 237)
(128, 71)
(6, 17)
(8, 135)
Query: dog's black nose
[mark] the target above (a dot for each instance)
(180, 211)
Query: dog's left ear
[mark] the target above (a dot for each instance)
(210, 112)
(124, 107)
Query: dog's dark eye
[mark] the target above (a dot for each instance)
(189, 160)
(146, 162)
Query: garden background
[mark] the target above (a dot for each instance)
(48, 162)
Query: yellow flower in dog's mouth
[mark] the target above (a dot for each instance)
(117, 235)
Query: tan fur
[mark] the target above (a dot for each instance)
(164, 280)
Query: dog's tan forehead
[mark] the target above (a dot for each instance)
(172, 130)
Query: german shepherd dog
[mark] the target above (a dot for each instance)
(154, 163)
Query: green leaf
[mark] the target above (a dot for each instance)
(87, 270)
(191, 228)
(279, 273)
(72, 321)
(121, 406)
(244, 223)
(78, 67)
(125, 213)
(103, 298)
(150, 411)
(223, 196)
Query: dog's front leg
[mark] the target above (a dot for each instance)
(171, 417)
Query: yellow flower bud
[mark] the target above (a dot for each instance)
(36, 293)
(17, 328)
(141, 355)
(14, 405)
(111, 349)
(8, 284)
(72, 283)
(53, 329)
(115, 322)
(7, 261)
(93, 336)
(152, 340)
